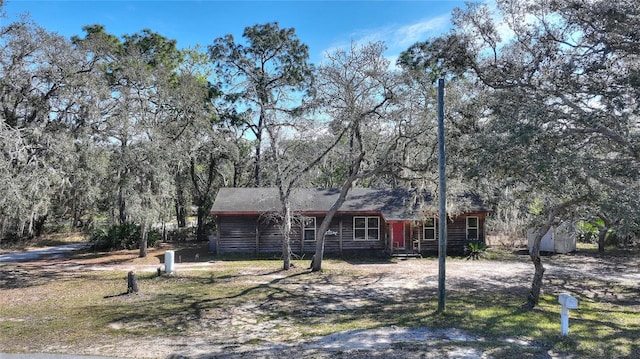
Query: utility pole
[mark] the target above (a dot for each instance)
(442, 199)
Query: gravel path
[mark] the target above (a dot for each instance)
(36, 254)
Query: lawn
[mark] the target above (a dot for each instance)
(217, 306)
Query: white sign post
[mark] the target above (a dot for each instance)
(567, 302)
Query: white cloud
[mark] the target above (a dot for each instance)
(397, 38)
(407, 35)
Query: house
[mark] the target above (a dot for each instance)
(391, 220)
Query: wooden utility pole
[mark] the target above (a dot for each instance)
(442, 199)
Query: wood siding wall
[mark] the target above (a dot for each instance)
(247, 234)
(236, 234)
(456, 234)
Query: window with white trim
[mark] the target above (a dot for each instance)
(472, 228)
(309, 228)
(366, 228)
(429, 229)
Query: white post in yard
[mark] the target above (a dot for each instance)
(168, 261)
(567, 302)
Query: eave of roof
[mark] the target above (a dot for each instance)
(393, 204)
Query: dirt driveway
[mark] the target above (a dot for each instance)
(373, 281)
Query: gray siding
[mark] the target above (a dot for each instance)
(238, 234)
(456, 234)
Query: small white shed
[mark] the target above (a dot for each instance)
(560, 239)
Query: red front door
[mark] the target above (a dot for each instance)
(398, 234)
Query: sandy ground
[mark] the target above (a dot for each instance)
(386, 280)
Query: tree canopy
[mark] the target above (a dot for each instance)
(558, 115)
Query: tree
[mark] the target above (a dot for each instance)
(260, 78)
(98, 122)
(355, 89)
(145, 105)
(417, 156)
(561, 111)
(42, 102)
(200, 145)
(268, 77)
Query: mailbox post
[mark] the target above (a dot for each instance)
(567, 302)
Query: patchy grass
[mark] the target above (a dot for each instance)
(252, 302)
(57, 239)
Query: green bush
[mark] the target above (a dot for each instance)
(587, 232)
(122, 236)
(476, 250)
(153, 237)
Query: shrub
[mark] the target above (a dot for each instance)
(475, 250)
(153, 237)
(122, 236)
(587, 232)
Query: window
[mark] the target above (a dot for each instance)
(309, 228)
(430, 229)
(366, 228)
(472, 228)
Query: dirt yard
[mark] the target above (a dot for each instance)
(344, 287)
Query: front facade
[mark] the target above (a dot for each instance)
(391, 220)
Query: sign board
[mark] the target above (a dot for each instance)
(568, 301)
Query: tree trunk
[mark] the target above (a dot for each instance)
(258, 132)
(203, 195)
(39, 225)
(286, 235)
(122, 206)
(22, 226)
(181, 212)
(31, 220)
(143, 241)
(536, 284)
(181, 215)
(3, 222)
(237, 173)
(132, 283)
(316, 262)
(201, 234)
(602, 237)
(256, 172)
(77, 222)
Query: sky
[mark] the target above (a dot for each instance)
(322, 25)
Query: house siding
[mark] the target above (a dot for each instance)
(349, 244)
(249, 234)
(456, 234)
(237, 234)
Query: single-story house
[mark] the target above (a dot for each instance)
(391, 220)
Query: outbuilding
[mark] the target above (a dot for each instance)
(558, 239)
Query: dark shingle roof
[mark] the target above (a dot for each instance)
(394, 204)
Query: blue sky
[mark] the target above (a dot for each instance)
(322, 25)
